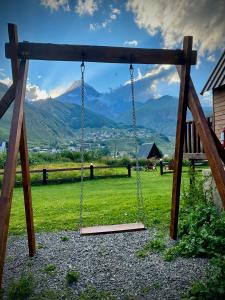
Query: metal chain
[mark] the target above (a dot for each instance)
(140, 200)
(82, 67)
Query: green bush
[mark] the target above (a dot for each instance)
(72, 276)
(21, 289)
(214, 285)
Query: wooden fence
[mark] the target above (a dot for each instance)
(192, 145)
(91, 172)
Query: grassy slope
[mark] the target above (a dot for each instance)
(107, 201)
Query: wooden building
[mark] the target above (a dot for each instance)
(149, 150)
(216, 83)
(193, 148)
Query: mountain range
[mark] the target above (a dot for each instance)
(57, 118)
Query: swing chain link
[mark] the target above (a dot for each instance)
(140, 200)
(82, 67)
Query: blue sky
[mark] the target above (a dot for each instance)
(136, 23)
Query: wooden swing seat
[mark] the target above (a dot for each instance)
(112, 228)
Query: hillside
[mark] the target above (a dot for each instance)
(159, 114)
(48, 120)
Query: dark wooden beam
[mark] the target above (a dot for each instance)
(105, 54)
(27, 190)
(181, 123)
(13, 38)
(10, 166)
(6, 100)
(219, 146)
(209, 142)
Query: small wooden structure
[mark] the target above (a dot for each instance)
(193, 147)
(149, 150)
(112, 228)
(21, 52)
(216, 83)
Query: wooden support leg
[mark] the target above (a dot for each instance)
(211, 145)
(182, 111)
(27, 189)
(13, 38)
(10, 167)
(6, 100)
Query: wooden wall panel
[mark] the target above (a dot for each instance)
(219, 110)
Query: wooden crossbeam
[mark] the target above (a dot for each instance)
(181, 125)
(10, 166)
(105, 54)
(6, 100)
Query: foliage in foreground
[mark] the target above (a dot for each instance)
(153, 246)
(202, 227)
(72, 276)
(202, 234)
(93, 294)
(214, 286)
(21, 289)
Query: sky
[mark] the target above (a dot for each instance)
(130, 23)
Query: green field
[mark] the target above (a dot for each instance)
(106, 201)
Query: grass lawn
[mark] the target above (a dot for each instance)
(106, 201)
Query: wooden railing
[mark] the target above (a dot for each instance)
(192, 143)
(91, 174)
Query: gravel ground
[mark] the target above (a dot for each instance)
(106, 262)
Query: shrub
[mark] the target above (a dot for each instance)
(214, 285)
(154, 246)
(21, 289)
(72, 276)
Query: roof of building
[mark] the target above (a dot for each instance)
(217, 77)
(145, 149)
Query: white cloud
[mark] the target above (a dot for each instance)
(53, 93)
(2, 73)
(211, 58)
(104, 24)
(114, 13)
(7, 81)
(155, 73)
(133, 43)
(86, 7)
(206, 99)
(34, 92)
(39, 76)
(93, 27)
(204, 19)
(54, 5)
(173, 78)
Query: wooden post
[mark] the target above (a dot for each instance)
(23, 148)
(161, 166)
(27, 190)
(91, 171)
(11, 160)
(44, 177)
(181, 120)
(129, 170)
(190, 138)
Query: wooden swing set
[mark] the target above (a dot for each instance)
(21, 52)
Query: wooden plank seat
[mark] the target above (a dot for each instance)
(111, 228)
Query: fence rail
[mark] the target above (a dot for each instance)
(192, 143)
(91, 169)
